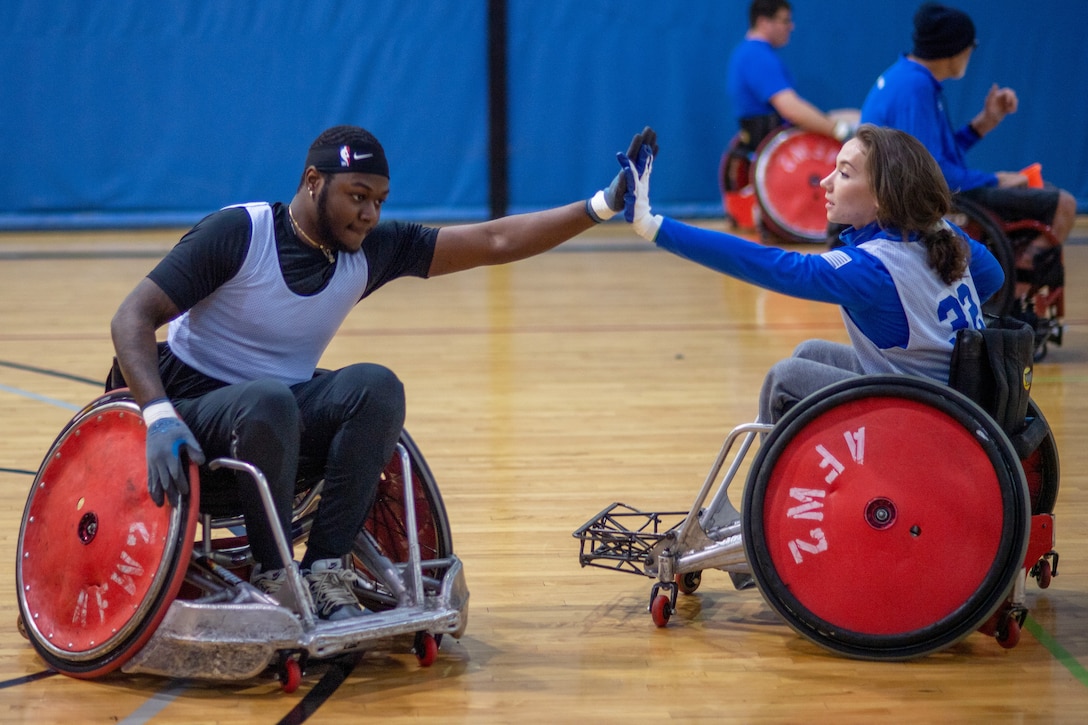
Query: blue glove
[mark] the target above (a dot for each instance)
(637, 199)
(167, 435)
(606, 203)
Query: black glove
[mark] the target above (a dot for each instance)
(167, 435)
(606, 203)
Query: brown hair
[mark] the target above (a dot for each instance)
(912, 196)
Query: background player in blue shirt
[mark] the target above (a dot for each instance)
(760, 86)
(909, 96)
(906, 279)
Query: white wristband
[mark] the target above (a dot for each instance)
(158, 410)
(599, 209)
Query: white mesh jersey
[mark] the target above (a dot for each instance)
(934, 311)
(256, 324)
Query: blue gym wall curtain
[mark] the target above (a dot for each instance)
(131, 113)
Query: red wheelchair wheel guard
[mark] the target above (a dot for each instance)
(886, 518)
(788, 169)
(99, 562)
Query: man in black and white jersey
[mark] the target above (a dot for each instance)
(253, 294)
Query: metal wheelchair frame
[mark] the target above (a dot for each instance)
(218, 626)
(675, 547)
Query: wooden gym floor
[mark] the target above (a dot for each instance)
(539, 393)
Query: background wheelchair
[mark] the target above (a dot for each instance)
(883, 518)
(108, 581)
(1034, 289)
(777, 189)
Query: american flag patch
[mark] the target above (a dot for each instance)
(836, 258)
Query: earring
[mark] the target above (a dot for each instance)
(311, 192)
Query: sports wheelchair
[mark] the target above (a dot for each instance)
(857, 497)
(776, 189)
(1034, 289)
(108, 581)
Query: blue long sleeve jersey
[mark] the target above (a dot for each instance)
(906, 96)
(847, 276)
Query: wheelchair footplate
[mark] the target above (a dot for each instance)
(675, 547)
(623, 538)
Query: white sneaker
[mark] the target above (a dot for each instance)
(332, 589)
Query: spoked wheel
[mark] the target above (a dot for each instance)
(982, 227)
(788, 168)
(99, 562)
(385, 527)
(863, 494)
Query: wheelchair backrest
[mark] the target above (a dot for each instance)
(993, 367)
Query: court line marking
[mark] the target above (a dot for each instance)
(27, 678)
(156, 703)
(47, 371)
(39, 398)
(1056, 650)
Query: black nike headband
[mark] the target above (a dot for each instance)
(364, 159)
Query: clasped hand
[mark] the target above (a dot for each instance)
(636, 169)
(166, 477)
(609, 201)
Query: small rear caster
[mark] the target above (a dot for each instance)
(426, 649)
(1008, 633)
(290, 673)
(1042, 573)
(1045, 569)
(689, 581)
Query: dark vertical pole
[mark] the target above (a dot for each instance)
(499, 194)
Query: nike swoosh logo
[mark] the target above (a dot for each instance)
(360, 157)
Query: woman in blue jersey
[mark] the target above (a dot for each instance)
(906, 279)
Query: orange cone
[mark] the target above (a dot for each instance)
(1034, 172)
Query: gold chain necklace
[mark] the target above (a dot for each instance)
(306, 237)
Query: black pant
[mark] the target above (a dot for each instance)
(347, 420)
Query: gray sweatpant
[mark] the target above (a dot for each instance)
(813, 365)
